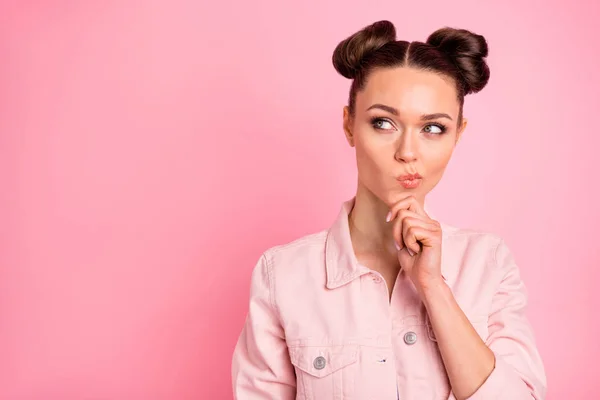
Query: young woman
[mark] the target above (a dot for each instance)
(389, 303)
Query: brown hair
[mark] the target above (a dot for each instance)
(455, 53)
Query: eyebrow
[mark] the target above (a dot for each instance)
(425, 117)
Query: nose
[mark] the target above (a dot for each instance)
(406, 151)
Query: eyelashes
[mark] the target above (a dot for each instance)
(377, 122)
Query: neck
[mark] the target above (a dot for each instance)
(368, 229)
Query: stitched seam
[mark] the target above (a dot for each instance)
(501, 241)
(314, 239)
(459, 234)
(271, 277)
(333, 344)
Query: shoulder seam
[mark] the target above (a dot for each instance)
(271, 278)
(308, 239)
(500, 242)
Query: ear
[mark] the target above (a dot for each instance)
(347, 123)
(461, 129)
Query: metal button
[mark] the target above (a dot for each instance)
(410, 338)
(319, 362)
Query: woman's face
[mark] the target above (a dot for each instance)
(405, 122)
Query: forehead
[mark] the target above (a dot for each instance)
(411, 91)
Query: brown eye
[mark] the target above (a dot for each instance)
(382, 124)
(435, 129)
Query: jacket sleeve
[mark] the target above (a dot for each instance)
(519, 372)
(261, 367)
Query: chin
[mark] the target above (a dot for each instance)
(391, 197)
(399, 193)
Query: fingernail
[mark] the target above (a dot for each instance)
(388, 217)
(397, 246)
(410, 252)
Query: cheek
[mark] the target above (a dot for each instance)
(373, 158)
(436, 162)
(439, 163)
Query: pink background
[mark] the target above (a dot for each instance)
(150, 151)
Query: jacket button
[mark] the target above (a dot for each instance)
(319, 362)
(410, 338)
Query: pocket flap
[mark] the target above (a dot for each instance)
(321, 361)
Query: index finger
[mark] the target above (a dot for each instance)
(408, 203)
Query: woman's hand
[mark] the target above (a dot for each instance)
(419, 242)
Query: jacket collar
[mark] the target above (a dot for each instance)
(340, 261)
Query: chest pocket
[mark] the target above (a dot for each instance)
(324, 372)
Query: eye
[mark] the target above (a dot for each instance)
(435, 129)
(381, 124)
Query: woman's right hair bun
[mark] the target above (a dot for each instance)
(350, 52)
(468, 51)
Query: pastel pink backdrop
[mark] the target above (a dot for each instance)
(150, 151)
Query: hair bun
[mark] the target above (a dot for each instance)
(467, 51)
(350, 52)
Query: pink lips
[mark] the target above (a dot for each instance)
(410, 181)
(409, 177)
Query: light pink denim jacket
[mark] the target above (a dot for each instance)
(321, 326)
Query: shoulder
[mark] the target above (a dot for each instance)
(298, 246)
(471, 239)
(298, 254)
(477, 252)
(287, 262)
(478, 265)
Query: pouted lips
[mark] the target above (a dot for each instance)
(408, 177)
(410, 181)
